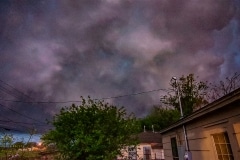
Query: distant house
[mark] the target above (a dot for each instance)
(212, 132)
(149, 148)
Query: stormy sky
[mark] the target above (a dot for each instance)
(59, 50)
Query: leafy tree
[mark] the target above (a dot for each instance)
(6, 142)
(192, 94)
(160, 118)
(93, 130)
(18, 145)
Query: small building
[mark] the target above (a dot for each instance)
(211, 133)
(149, 148)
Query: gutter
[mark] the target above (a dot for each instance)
(232, 97)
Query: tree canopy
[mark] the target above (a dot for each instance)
(159, 118)
(192, 94)
(94, 130)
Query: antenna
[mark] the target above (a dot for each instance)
(153, 128)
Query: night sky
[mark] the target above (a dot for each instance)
(59, 50)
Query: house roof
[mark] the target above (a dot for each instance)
(150, 137)
(211, 107)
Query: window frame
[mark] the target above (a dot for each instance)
(222, 145)
(147, 153)
(174, 148)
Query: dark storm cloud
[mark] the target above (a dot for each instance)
(60, 50)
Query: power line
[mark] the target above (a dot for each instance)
(133, 94)
(10, 124)
(24, 123)
(76, 101)
(23, 115)
(7, 128)
(39, 102)
(9, 89)
(15, 89)
(9, 120)
(10, 92)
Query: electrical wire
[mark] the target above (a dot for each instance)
(25, 126)
(76, 101)
(23, 115)
(15, 89)
(9, 120)
(24, 96)
(12, 91)
(9, 89)
(24, 123)
(133, 94)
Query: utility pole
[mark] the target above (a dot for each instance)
(188, 155)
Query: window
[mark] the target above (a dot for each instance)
(132, 153)
(146, 153)
(223, 147)
(174, 148)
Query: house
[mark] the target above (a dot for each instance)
(210, 133)
(149, 148)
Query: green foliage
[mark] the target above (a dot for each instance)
(192, 94)
(18, 145)
(6, 140)
(92, 131)
(160, 118)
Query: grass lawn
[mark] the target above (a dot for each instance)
(22, 154)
